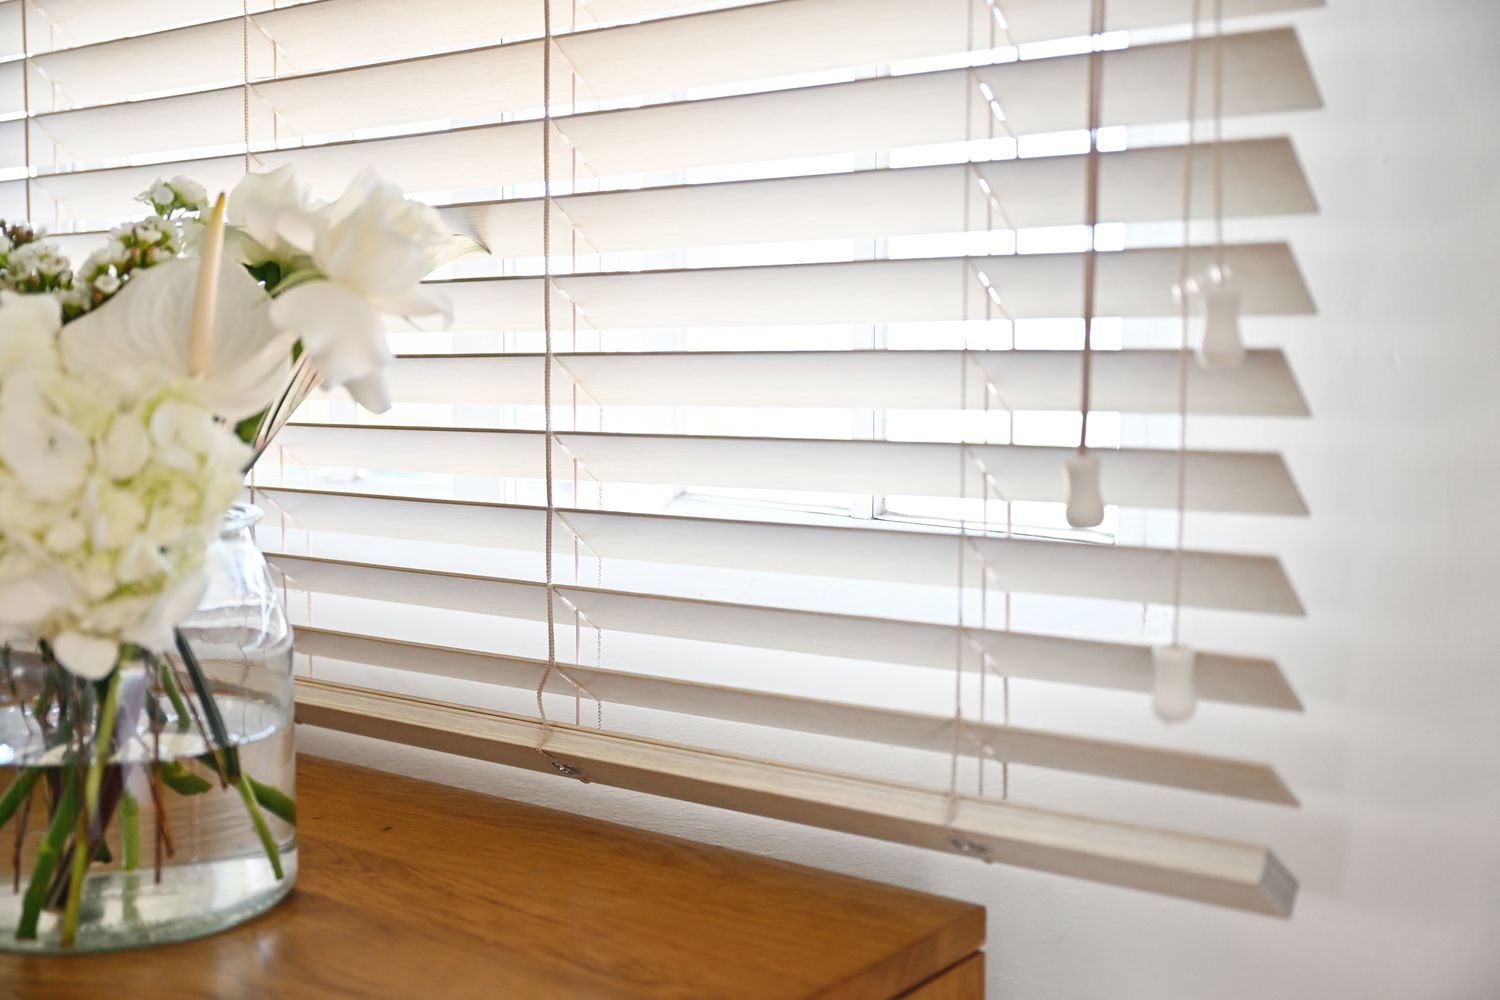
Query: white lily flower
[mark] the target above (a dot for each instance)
(149, 323)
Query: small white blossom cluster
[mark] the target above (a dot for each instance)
(180, 194)
(111, 487)
(33, 267)
(136, 245)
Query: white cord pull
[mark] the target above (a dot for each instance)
(1085, 501)
(1221, 346)
(1172, 695)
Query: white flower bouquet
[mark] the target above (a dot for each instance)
(135, 393)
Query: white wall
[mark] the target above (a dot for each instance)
(1398, 756)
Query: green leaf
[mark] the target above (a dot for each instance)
(183, 781)
(245, 429)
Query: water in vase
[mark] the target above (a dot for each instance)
(180, 855)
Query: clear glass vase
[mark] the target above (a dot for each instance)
(193, 824)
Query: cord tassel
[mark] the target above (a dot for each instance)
(1085, 501)
(1173, 695)
(1221, 346)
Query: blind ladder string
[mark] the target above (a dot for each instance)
(956, 749)
(1218, 134)
(993, 391)
(1091, 212)
(26, 101)
(245, 64)
(1085, 508)
(1184, 348)
(546, 725)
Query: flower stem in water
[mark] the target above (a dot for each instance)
(261, 829)
(63, 818)
(75, 886)
(18, 791)
(174, 695)
(130, 831)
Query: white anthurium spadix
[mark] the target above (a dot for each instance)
(150, 322)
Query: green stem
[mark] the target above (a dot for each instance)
(75, 883)
(47, 856)
(273, 800)
(104, 738)
(90, 821)
(130, 831)
(174, 695)
(18, 791)
(261, 829)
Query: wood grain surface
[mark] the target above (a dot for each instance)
(964, 981)
(410, 889)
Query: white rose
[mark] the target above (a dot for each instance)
(272, 218)
(374, 249)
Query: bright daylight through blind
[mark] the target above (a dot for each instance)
(815, 305)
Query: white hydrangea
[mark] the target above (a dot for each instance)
(111, 488)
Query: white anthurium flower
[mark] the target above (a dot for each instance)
(271, 217)
(149, 323)
(373, 251)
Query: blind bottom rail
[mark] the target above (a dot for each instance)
(1220, 872)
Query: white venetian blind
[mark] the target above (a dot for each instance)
(812, 328)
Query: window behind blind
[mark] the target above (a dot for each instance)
(812, 328)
